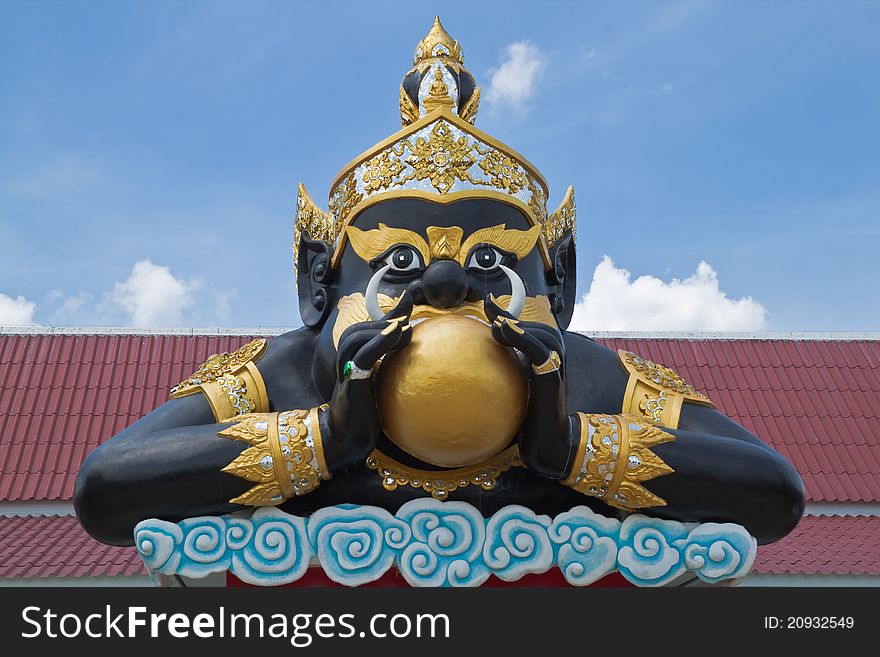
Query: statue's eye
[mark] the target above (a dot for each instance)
(403, 258)
(486, 258)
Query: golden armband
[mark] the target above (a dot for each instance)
(231, 382)
(614, 456)
(655, 392)
(285, 458)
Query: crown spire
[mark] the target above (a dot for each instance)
(438, 43)
(438, 79)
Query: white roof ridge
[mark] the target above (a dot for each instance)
(268, 331)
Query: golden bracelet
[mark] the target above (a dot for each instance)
(285, 457)
(614, 456)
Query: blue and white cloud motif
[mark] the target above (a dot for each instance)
(158, 543)
(204, 546)
(269, 548)
(278, 551)
(352, 543)
(434, 543)
(716, 552)
(650, 550)
(446, 545)
(517, 543)
(586, 545)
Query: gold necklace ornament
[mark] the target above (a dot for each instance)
(439, 483)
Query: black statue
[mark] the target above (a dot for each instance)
(434, 360)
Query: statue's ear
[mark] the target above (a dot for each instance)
(313, 279)
(562, 278)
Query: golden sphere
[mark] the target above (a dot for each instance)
(454, 396)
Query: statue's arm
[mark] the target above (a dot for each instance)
(194, 456)
(684, 475)
(591, 425)
(167, 465)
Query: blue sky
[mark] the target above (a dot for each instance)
(742, 135)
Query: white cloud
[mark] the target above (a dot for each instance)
(70, 310)
(55, 295)
(16, 312)
(513, 83)
(152, 296)
(221, 304)
(615, 302)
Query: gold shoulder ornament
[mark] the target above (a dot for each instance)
(614, 456)
(285, 457)
(230, 381)
(656, 393)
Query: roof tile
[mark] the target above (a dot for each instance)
(56, 546)
(825, 545)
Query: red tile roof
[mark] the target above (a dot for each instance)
(826, 545)
(63, 395)
(56, 546)
(817, 402)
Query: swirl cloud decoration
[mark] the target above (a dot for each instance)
(434, 543)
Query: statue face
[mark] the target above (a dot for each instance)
(446, 255)
(450, 257)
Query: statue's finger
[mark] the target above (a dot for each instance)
(353, 342)
(403, 308)
(360, 326)
(493, 309)
(498, 334)
(379, 345)
(405, 336)
(548, 336)
(531, 346)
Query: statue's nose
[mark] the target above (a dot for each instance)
(444, 284)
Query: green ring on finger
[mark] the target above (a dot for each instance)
(352, 371)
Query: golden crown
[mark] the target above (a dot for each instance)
(438, 155)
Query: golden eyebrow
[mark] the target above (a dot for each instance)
(370, 244)
(519, 242)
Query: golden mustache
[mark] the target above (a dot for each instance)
(471, 308)
(352, 309)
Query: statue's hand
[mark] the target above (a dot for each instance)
(353, 415)
(547, 431)
(536, 341)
